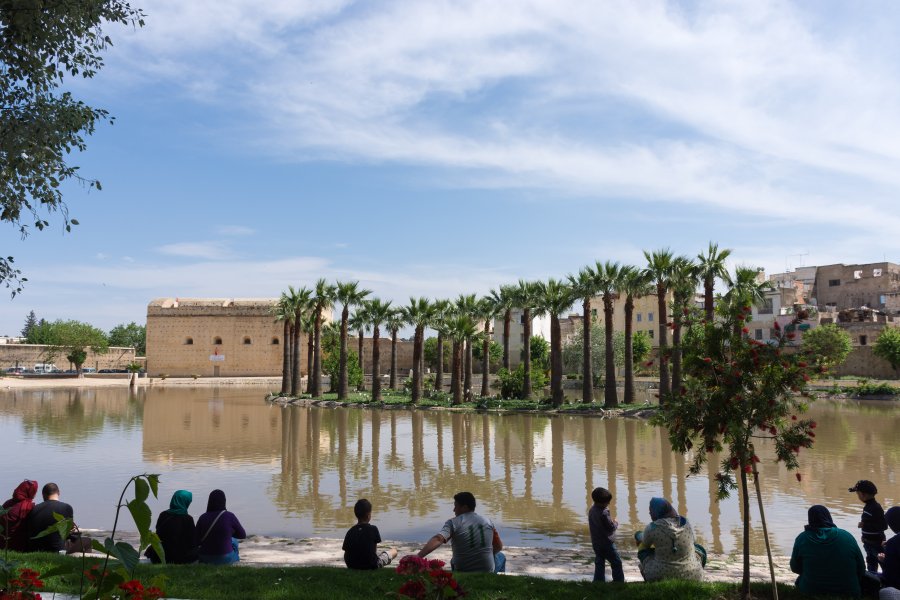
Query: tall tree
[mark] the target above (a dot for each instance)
(30, 322)
(394, 323)
(359, 323)
(554, 298)
(131, 335)
(635, 284)
(74, 338)
(323, 299)
(378, 312)
(487, 312)
(460, 327)
(685, 277)
(441, 310)
(526, 296)
(284, 313)
(41, 43)
(466, 304)
(711, 267)
(659, 271)
(418, 314)
(347, 294)
(609, 279)
(584, 286)
(505, 299)
(747, 289)
(299, 301)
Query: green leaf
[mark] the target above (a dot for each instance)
(96, 545)
(63, 569)
(128, 555)
(141, 489)
(63, 527)
(153, 480)
(156, 543)
(141, 514)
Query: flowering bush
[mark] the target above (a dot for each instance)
(428, 579)
(23, 587)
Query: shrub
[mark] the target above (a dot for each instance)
(511, 382)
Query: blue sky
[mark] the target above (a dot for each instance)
(446, 147)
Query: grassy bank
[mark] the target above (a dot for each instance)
(203, 582)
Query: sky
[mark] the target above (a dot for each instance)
(438, 148)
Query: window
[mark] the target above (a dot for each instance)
(522, 319)
(188, 341)
(863, 340)
(765, 307)
(639, 317)
(834, 282)
(759, 334)
(247, 341)
(274, 341)
(876, 272)
(217, 341)
(857, 274)
(650, 333)
(831, 305)
(594, 312)
(650, 316)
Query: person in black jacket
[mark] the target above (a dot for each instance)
(873, 524)
(361, 542)
(176, 531)
(890, 559)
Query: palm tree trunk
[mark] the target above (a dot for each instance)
(486, 360)
(628, 397)
(526, 383)
(507, 320)
(316, 372)
(310, 350)
(342, 388)
(457, 372)
(286, 359)
(362, 371)
(417, 366)
(454, 382)
(676, 348)
(468, 384)
(745, 502)
(393, 359)
(439, 373)
(663, 343)
(610, 394)
(295, 359)
(708, 305)
(587, 371)
(556, 389)
(376, 366)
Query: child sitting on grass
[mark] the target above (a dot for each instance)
(361, 542)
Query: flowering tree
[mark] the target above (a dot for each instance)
(736, 391)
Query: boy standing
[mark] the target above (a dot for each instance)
(603, 532)
(873, 523)
(361, 542)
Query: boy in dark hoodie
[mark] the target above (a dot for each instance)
(872, 524)
(603, 536)
(890, 559)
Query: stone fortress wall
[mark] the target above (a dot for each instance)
(28, 355)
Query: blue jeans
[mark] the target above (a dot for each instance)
(499, 563)
(607, 552)
(224, 559)
(872, 550)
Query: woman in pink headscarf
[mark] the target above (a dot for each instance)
(15, 535)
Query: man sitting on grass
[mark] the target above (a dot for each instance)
(474, 540)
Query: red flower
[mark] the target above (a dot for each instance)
(746, 330)
(755, 458)
(734, 463)
(799, 477)
(412, 564)
(747, 469)
(811, 434)
(707, 359)
(793, 417)
(790, 335)
(801, 364)
(777, 326)
(812, 424)
(435, 564)
(412, 589)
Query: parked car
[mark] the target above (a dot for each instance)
(88, 370)
(15, 370)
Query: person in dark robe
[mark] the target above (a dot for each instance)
(218, 532)
(14, 534)
(826, 558)
(176, 530)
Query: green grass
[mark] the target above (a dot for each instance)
(201, 582)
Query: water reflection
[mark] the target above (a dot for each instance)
(300, 469)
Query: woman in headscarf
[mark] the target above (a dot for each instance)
(218, 532)
(666, 547)
(15, 535)
(890, 559)
(176, 531)
(827, 559)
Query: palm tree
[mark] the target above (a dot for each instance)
(418, 314)
(659, 271)
(460, 327)
(359, 323)
(307, 324)
(584, 286)
(347, 294)
(555, 298)
(323, 299)
(488, 311)
(441, 308)
(746, 290)
(378, 312)
(635, 284)
(283, 312)
(298, 302)
(609, 281)
(505, 301)
(467, 305)
(394, 323)
(685, 277)
(712, 265)
(526, 297)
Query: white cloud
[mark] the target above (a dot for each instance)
(101, 256)
(234, 230)
(208, 250)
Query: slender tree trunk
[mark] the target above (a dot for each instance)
(295, 359)
(507, 320)
(762, 518)
(439, 373)
(587, 370)
(468, 364)
(310, 351)
(457, 372)
(286, 359)
(526, 384)
(663, 343)
(610, 394)
(342, 387)
(708, 304)
(376, 365)
(629, 352)
(417, 365)
(556, 388)
(676, 346)
(745, 502)
(454, 382)
(393, 359)
(316, 372)
(362, 371)
(486, 360)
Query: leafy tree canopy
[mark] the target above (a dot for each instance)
(887, 346)
(495, 353)
(42, 41)
(828, 345)
(131, 335)
(573, 351)
(30, 322)
(540, 353)
(73, 338)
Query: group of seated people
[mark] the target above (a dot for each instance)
(213, 540)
